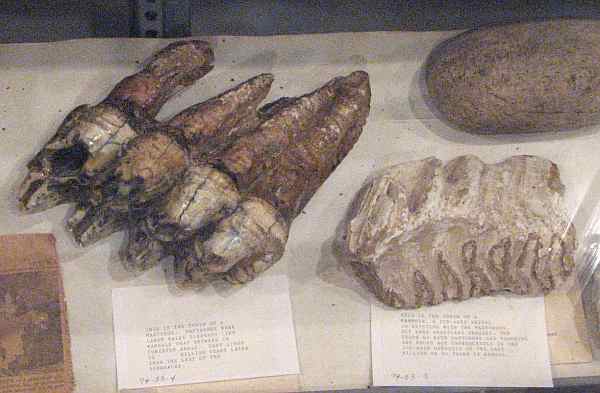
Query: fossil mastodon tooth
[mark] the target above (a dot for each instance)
(423, 232)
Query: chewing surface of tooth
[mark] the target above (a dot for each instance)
(204, 195)
(424, 232)
(254, 230)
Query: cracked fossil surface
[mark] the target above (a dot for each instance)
(423, 232)
(217, 186)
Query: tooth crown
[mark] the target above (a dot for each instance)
(424, 232)
(151, 165)
(204, 195)
(254, 230)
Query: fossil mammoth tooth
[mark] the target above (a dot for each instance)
(424, 232)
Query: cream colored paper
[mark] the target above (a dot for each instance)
(458, 344)
(166, 337)
(41, 83)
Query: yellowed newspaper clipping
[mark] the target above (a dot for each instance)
(34, 338)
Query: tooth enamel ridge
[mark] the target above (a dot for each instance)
(424, 232)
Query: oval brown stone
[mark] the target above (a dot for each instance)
(525, 77)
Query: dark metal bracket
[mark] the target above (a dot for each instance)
(161, 18)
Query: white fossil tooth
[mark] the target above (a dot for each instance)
(424, 232)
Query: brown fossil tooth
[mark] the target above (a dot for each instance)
(245, 158)
(204, 195)
(424, 232)
(209, 127)
(253, 238)
(289, 180)
(170, 70)
(91, 136)
(149, 166)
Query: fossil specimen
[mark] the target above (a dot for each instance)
(91, 136)
(423, 232)
(536, 76)
(217, 186)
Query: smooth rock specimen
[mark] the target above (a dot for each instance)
(424, 232)
(525, 77)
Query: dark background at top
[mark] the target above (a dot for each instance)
(48, 20)
(53, 20)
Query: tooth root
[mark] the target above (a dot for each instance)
(289, 180)
(244, 159)
(255, 230)
(212, 125)
(170, 70)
